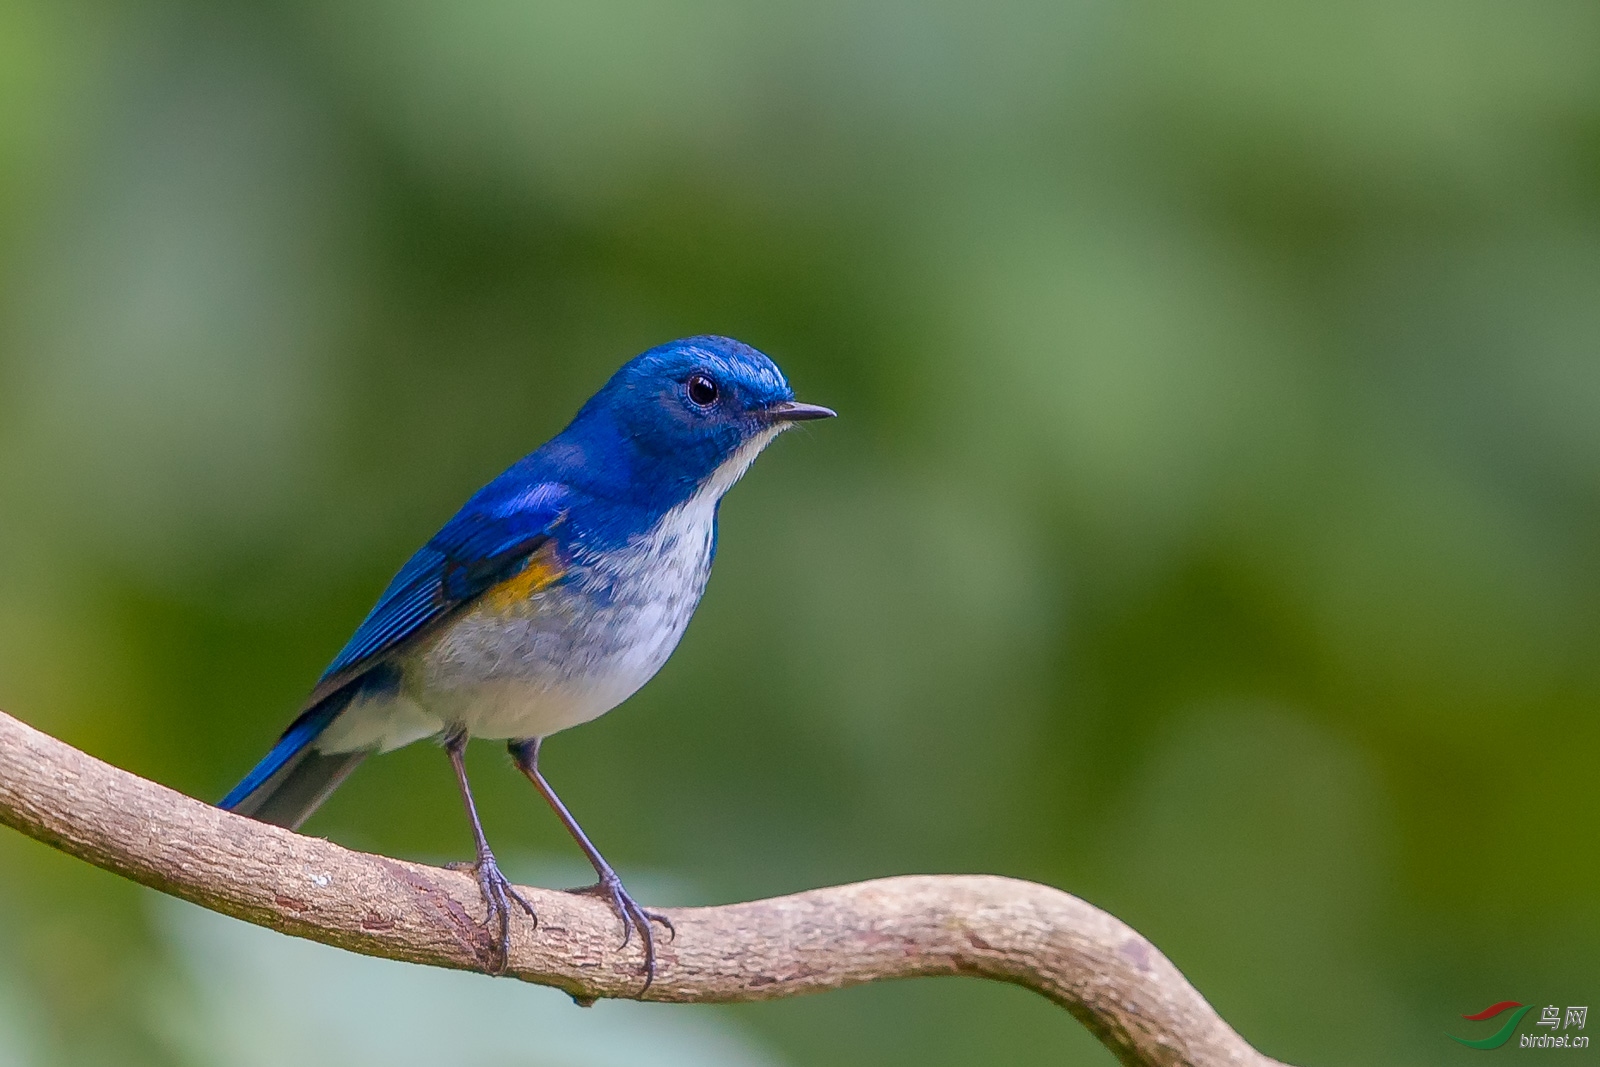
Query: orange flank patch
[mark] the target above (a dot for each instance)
(544, 569)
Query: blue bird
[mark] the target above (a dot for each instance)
(552, 596)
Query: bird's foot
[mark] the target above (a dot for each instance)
(609, 888)
(498, 896)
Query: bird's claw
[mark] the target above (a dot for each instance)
(498, 896)
(633, 917)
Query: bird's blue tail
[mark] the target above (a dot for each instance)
(294, 779)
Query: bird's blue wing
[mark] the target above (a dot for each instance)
(488, 542)
(500, 543)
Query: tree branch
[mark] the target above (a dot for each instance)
(1114, 981)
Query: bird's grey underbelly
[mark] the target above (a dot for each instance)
(566, 655)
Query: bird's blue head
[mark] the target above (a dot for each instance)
(684, 416)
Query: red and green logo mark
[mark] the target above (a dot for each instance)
(1502, 1035)
(1559, 1024)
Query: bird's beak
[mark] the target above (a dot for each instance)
(794, 411)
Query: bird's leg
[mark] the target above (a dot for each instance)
(634, 917)
(498, 893)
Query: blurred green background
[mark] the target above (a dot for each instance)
(1212, 528)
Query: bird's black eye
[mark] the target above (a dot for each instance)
(702, 390)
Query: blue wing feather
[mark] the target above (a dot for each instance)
(489, 540)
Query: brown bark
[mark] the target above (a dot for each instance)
(1109, 977)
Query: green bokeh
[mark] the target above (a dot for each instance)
(1212, 528)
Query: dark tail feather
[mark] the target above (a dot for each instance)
(289, 798)
(294, 779)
